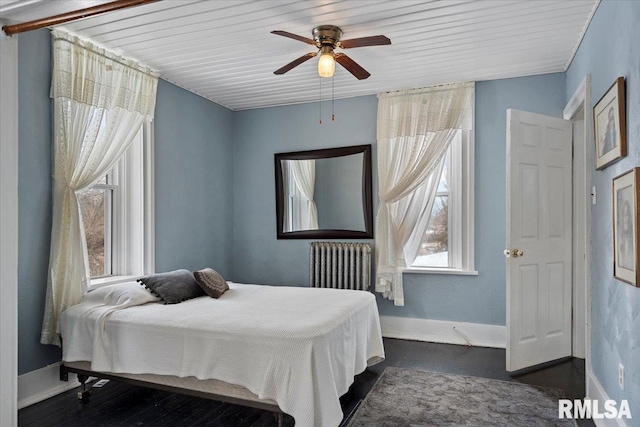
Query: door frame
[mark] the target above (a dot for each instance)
(581, 98)
(9, 230)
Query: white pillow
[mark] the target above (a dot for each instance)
(121, 294)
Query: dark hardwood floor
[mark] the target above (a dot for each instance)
(124, 405)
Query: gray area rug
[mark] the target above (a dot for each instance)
(406, 397)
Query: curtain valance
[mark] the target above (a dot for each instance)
(413, 112)
(91, 75)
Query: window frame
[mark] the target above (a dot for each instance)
(450, 215)
(133, 207)
(461, 207)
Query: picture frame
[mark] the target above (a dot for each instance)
(610, 128)
(626, 218)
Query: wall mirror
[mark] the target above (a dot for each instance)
(324, 193)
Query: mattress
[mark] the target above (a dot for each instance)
(300, 347)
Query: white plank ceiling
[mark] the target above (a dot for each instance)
(223, 49)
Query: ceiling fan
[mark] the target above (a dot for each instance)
(327, 38)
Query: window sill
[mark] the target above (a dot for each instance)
(446, 271)
(111, 280)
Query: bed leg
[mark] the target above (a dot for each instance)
(64, 373)
(85, 389)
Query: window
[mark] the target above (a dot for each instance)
(96, 208)
(447, 244)
(434, 247)
(117, 215)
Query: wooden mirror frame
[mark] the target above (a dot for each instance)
(367, 198)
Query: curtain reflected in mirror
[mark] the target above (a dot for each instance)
(300, 208)
(324, 193)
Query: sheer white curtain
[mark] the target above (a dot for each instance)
(304, 174)
(100, 103)
(415, 128)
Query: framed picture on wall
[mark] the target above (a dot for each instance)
(610, 126)
(626, 216)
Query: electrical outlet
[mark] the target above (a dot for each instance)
(621, 376)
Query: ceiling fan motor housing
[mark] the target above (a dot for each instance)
(326, 35)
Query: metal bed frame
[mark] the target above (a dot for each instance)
(249, 399)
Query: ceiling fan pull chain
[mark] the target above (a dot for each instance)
(320, 103)
(333, 117)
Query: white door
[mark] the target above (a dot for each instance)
(538, 239)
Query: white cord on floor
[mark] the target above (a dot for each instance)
(466, 338)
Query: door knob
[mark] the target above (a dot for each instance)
(513, 253)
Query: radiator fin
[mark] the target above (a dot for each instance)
(340, 265)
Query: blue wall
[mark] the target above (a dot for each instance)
(260, 258)
(193, 188)
(607, 52)
(259, 134)
(34, 196)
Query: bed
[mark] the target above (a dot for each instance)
(288, 349)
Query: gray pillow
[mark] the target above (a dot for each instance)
(172, 287)
(211, 282)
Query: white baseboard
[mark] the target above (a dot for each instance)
(41, 384)
(442, 331)
(595, 391)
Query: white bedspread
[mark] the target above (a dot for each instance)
(298, 346)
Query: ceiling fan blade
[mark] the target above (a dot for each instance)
(295, 63)
(294, 36)
(352, 66)
(364, 41)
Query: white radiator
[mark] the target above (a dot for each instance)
(340, 265)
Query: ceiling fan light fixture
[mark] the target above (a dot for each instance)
(326, 62)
